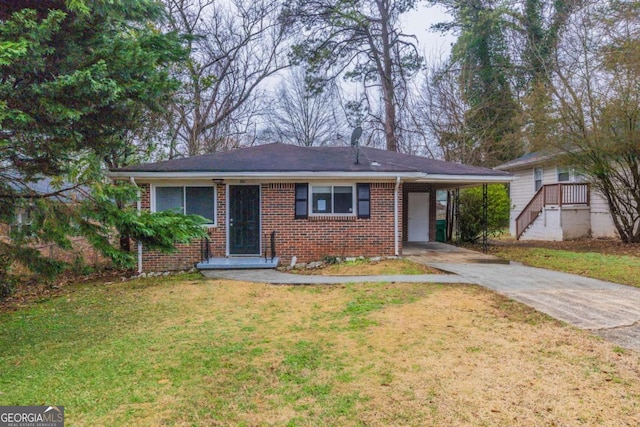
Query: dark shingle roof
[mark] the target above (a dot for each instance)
(284, 158)
(527, 159)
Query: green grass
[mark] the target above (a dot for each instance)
(133, 345)
(615, 268)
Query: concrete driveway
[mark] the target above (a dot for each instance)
(608, 309)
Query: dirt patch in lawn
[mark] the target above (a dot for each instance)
(369, 268)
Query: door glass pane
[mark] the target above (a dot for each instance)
(343, 198)
(169, 198)
(321, 199)
(201, 201)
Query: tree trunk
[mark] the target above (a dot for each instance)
(388, 90)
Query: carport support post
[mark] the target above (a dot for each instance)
(485, 209)
(456, 214)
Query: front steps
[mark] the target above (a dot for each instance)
(238, 263)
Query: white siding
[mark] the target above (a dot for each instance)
(522, 189)
(521, 192)
(601, 222)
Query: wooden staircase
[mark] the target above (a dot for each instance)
(551, 194)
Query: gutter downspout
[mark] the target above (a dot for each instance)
(395, 217)
(138, 207)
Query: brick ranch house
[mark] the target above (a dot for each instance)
(318, 200)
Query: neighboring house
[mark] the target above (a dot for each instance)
(22, 213)
(552, 201)
(317, 200)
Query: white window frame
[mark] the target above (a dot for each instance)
(574, 175)
(184, 199)
(332, 185)
(541, 178)
(568, 171)
(21, 216)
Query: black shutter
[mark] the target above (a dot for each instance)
(364, 200)
(302, 201)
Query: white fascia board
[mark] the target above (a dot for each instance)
(465, 179)
(288, 176)
(263, 175)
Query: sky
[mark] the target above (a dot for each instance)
(419, 21)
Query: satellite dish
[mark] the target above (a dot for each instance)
(355, 135)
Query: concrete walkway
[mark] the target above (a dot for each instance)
(279, 278)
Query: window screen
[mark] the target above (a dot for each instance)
(169, 198)
(201, 201)
(343, 199)
(564, 175)
(321, 199)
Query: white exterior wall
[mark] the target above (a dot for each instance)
(546, 227)
(601, 221)
(557, 224)
(522, 190)
(576, 222)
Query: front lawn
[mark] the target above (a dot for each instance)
(624, 269)
(188, 351)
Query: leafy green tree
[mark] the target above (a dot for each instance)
(480, 59)
(75, 78)
(471, 211)
(502, 60)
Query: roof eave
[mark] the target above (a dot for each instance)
(416, 176)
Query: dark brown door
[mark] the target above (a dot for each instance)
(244, 220)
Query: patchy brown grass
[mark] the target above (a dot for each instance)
(370, 268)
(195, 352)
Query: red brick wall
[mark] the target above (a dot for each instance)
(187, 254)
(310, 239)
(307, 239)
(418, 187)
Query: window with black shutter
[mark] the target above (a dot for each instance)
(364, 200)
(302, 201)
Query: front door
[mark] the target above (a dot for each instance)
(244, 220)
(418, 217)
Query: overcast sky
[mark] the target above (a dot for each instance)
(419, 21)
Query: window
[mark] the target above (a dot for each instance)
(22, 220)
(564, 175)
(332, 199)
(188, 200)
(537, 179)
